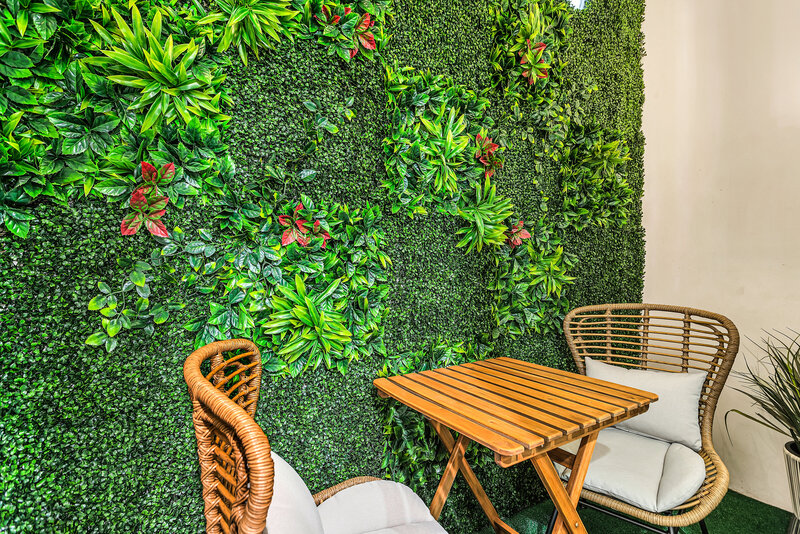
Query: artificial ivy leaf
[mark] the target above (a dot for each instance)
(20, 96)
(16, 60)
(138, 278)
(96, 339)
(97, 303)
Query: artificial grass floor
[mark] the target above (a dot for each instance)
(736, 514)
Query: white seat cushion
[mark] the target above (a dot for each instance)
(648, 473)
(292, 509)
(378, 507)
(675, 416)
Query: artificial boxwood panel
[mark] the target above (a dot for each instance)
(97, 442)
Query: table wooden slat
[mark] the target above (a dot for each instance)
(551, 415)
(611, 388)
(508, 413)
(485, 436)
(586, 393)
(515, 408)
(471, 409)
(540, 392)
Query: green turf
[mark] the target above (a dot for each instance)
(736, 514)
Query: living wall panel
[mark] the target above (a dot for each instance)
(102, 442)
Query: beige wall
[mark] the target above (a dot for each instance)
(722, 187)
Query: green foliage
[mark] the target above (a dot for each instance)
(528, 284)
(486, 214)
(167, 75)
(128, 308)
(121, 418)
(306, 325)
(595, 188)
(257, 281)
(345, 31)
(252, 23)
(529, 39)
(325, 123)
(775, 394)
(429, 156)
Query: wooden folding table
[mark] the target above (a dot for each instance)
(521, 411)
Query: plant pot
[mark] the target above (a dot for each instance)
(792, 457)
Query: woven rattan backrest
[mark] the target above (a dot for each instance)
(657, 337)
(236, 468)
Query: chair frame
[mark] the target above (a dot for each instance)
(236, 469)
(664, 338)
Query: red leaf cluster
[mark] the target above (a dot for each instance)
(148, 203)
(536, 66)
(363, 37)
(517, 233)
(297, 231)
(485, 153)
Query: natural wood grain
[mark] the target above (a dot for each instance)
(583, 393)
(580, 466)
(533, 394)
(540, 410)
(452, 419)
(627, 394)
(552, 483)
(528, 426)
(449, 476)
(472, 481)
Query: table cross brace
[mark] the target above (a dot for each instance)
(458, 463)
(566, 499)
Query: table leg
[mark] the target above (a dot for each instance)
(452, 447)
(566, 499)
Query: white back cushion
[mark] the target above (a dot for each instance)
(674, 417)
(292, 510)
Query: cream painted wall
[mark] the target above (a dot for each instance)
(722, 187)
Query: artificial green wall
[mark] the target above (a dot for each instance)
(102, 442)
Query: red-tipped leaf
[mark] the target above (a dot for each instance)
(138, 200)
(288, 237)
(367, 40)
(167, 173)
(363, 24)
(159, 203)
(131, 223)
(149, 173)
(156, 227)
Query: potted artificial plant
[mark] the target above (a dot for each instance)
(776, 393)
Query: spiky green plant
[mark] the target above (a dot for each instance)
(170, 80)
(775, 392)
(307, 326)
(251, 24)
(486, 216)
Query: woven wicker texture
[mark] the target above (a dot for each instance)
(236, 468)
(664, 338)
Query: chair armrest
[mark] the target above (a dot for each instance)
(326, 494)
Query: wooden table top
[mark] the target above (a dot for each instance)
(517, 409)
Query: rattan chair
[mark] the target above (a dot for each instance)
(664, 338)
(236, 468)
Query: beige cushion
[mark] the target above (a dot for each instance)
(675, 416)
(292, 510)
(379, 507)
(648, 473)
